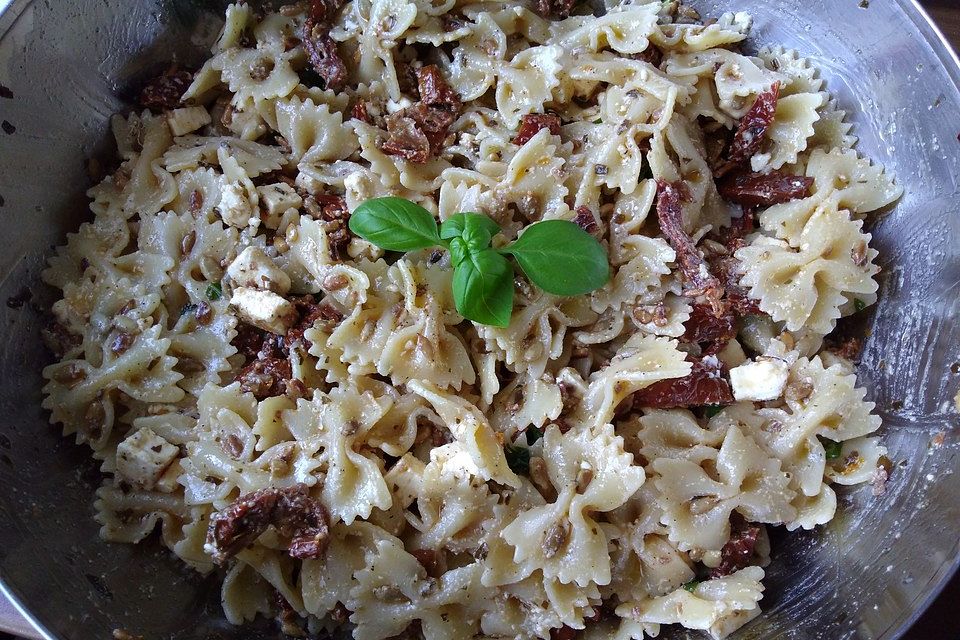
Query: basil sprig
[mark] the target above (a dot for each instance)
(556, 255)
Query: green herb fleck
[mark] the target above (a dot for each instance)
(214, 291)
(859, 304)
(597, 121)
(518, 458)
(832, 448)
(711, 410)
(533, 434)
(692, 585)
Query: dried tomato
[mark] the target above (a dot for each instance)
(753, 126)
(706, 384)
(417, 132)
(359, 111)
(405, 139)
(763, 189)
(531, 124)
(165, 91)
(651, 55)
(585, 219)
(711, 332)
(554, 8)
(698, 281)
(292, 511)
(309, 312)
(738, 551)
(320, 47)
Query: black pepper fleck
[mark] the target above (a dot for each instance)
(8, 128)
(5, 92)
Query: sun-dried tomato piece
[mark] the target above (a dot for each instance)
(706, 384)
(711, 332)
(309, 312)
(435, 91)
(698, 281)
(433, 561)
(563, 633)
(292, 511)
(334, 216)
(585, 219)
(324, 58)
(738, 551)
(417, 132)
(166, 90)
(265, 376)
(651, 55)
(849, 348)
(531, 124)
(753, 126)
(359, 111)
(320, 47)
(405, 139)
(249, 340)
(763, 189)
(554, 8)
(729, 269)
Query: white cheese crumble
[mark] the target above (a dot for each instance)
(759, 381)
(253, 268)
(264, 309)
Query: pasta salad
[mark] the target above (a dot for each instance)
(362, 442)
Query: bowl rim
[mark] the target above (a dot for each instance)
(12, 10)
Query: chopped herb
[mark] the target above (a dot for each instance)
(600, 169)
(214, 291)
(692, 585)
(597, 121)
(518, 458)
(859, 304)
(533, 434)
(832, 448)
(188, 308)
(711, 410)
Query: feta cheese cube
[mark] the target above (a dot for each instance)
(264, 309)
(235, 206)
(253, 268)
(169, 482)
(275, 199)
(187, 120)
(144, 457)
(759, 381)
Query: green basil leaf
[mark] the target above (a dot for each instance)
(483, 286)
(518, 458)
(476, 229)
(214, 291)
(710, 410)
(832, 448)
(533, 434)
(561, 258)
(395, 224)
(692, 585)
(458, 252)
